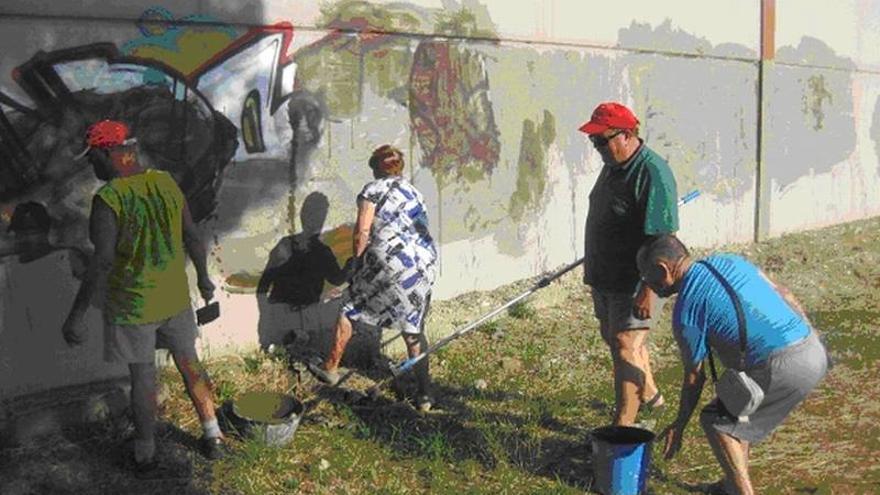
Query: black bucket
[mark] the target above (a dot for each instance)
(268, 416)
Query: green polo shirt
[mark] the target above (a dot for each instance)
(628, 204)
(148, 280)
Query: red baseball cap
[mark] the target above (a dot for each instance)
(106, 134)
(609, 115)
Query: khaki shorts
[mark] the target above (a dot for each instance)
(614, 312)
(137, 343)
(787, 378)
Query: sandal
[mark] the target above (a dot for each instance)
(655, 402)
(327, 377)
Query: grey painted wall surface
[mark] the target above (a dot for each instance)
(486, 111)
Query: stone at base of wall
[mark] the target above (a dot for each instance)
(27, 418)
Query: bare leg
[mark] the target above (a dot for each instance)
(415, 344)
(650, 389)
(340, 340)
(143, 408)
(733, 455)
(629, 375)
(198, 384)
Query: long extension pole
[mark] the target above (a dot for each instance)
(408, 364)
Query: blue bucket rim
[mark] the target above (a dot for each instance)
(623, 435)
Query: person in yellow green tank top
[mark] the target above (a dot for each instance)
(142, 231)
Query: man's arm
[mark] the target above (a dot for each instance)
(195, 249)
(103, 232)
(691, 389)
(659, 197)
(333, 273)
(643, 301)
(277, 257)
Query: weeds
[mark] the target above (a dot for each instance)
(252, 363)
(225, 390)
(521, 311)
(435, 446)
(489, 328)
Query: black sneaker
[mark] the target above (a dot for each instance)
(213, 448)
(155, 470)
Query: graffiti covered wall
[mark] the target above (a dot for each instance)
(266, 113)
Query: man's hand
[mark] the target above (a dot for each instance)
(672, 437)
(75, 330)
(642, 303)
(206, 288)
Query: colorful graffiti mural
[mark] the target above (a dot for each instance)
(247, 77)
(168, 86)
(176, 126)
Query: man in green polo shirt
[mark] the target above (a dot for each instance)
(142, 231)
(633, 199)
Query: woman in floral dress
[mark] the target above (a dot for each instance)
(395, 267)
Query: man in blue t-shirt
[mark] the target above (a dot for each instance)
(782, 354)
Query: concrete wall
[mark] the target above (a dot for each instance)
(485, 98)
(823, 122)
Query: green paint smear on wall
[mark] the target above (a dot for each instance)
(532, 168)
(462, 22)
(340, 63)
(815, 95)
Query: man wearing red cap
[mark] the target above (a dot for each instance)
(142, 230)
(633, 199)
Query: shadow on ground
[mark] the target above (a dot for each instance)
(451, 430)
(97, 459)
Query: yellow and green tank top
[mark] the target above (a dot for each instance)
(148, 280)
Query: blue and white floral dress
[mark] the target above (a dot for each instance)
(393, 281)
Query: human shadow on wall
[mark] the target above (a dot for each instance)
(38, 282)
(294, 308)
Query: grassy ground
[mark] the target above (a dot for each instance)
(516, 399)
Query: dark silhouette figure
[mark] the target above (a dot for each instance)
(295, 274)
(37, 276)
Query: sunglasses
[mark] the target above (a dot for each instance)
(601, 141)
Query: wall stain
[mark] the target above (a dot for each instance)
(815, 94)
(360, 51)
(531, 178)
(451, 113)
(824, 133)
(723, 99)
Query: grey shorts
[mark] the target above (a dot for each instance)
(614, 312)
(138, 343)
(787, 377)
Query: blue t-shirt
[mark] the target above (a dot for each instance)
(705, 314)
